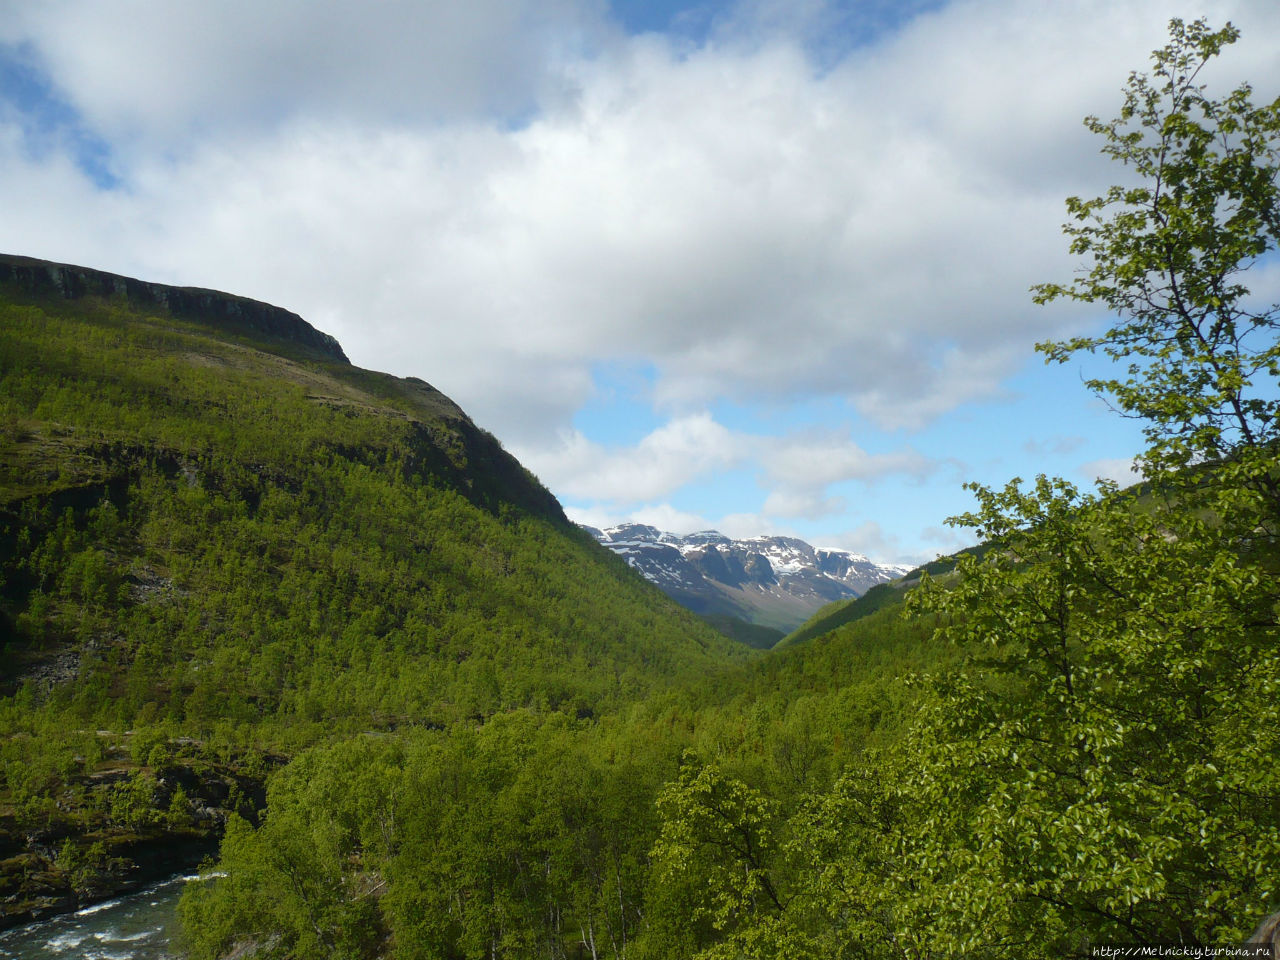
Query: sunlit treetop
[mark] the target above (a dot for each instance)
(1167, 254)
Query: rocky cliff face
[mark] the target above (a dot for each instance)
(773, 581)
(43, 278)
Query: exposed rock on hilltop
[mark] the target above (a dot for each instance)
(775, 581)
(41, 278)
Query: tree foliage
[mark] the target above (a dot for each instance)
(1100, 767)
(1169, 253)
(1121, 659)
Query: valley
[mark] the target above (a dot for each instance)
(253, 596)
(323, 323)
(222, 544)
(261, 602)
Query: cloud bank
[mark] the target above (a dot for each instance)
(501, 195)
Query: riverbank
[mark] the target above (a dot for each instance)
(120, 828)
(137, 926)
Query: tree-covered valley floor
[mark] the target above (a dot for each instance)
(235, 566)
(255, 596)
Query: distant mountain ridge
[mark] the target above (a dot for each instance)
(773, 581)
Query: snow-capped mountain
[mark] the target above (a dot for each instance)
(774, 581)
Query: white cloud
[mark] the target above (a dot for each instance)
(676, 453)
(796, 470)
(43, 195)
(809, 504)
(869, 539)
(1123, 471)
(749, 225)
(1053, 446)
(162, 72)
(499, 196)
(743, 526)
(946, 540)
(814, 460)
(800, 469)
(660, 515)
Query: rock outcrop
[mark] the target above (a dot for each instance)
(43, 278)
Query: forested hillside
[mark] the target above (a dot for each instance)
(220, 542)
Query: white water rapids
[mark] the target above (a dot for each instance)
(136, 926)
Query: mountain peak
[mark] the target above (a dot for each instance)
(769, 580)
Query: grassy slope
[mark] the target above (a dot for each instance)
(880, 597)
(752, 634)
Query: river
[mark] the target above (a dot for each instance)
(136, 926)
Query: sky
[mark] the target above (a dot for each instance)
(757, 266)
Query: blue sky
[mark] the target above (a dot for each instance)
(761, 266)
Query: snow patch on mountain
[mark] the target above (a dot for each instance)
(775, 581)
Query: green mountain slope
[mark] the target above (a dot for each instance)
(879, 597)
(533, 836)
(752, 634)
(220, 542)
